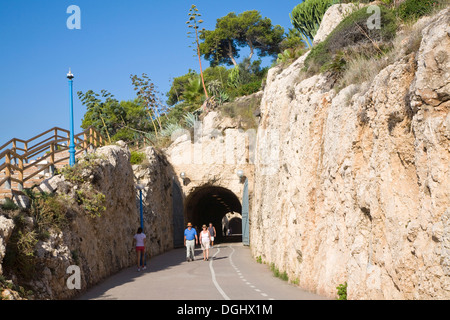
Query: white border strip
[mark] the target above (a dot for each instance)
(213, 275)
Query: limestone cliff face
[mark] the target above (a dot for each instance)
(156, 174)
(100, 246)
(355, 186)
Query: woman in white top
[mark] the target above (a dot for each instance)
(139, 241)
(205, 239)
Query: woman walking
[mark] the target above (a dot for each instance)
(139, 240)
(205, 238)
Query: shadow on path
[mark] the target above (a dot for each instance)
(161, 263)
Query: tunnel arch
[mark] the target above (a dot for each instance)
(211, 204)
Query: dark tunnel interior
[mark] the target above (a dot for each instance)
(211, 204)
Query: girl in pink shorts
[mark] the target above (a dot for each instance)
(139, 240)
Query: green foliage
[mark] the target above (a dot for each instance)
(175, 94)
(92, 201)
(277, 273)
(137, 157)
(170, 129)
(193, 93)
(4, 284)
(149, 97)
(307, 16)
(290, 55)
(234, 79)
(9, 205)
(103, 112)
(350, 34)
(342, 291)
(224, 85)
(243, 109)
(248, 88)
(414, 9)
(20, 252)
(125, 134)
(113, 118)
(292, 40)
(190, 119)
(248, 29)
(48, 211)
(75, 174)
(292, 47)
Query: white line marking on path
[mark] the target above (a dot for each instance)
(213, 275)
(242, 277)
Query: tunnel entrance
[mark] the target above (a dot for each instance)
(219, 206)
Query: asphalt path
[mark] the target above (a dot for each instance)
(230, 274)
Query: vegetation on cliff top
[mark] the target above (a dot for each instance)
(151, 120)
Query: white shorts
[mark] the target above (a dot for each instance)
(212, 239)
(205, 244)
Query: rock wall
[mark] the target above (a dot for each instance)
(155, 174)
(99, 246)
(355, 186)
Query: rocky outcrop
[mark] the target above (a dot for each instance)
(98, 242)
(354, 186)
(100, 245)
(6, 228)
(332, 17)
(155, 175)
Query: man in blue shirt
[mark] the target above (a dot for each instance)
(190, 240)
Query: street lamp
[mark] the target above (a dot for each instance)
(141, 187)
(240, 174)
(183, 177)
(70, 76)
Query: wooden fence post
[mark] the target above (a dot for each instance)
(8, 171)
(25, 146)
(52, 159)
(20, 174)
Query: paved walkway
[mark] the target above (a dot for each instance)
(231, 274)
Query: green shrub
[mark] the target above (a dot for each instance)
(74, 174)
(414, 9)
(92, 201)
(350, 34)
(9, 205)
(248, 88)
(277, 273)
(342, 291)
(49, 212)
(137, 157)
(20, 253)
(125, 135)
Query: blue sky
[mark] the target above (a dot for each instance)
(117, 38)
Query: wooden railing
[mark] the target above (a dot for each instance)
(16, 154)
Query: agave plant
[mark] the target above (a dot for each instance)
(190, 119)
(170, 129)
(222, 98)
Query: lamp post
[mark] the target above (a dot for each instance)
(241, 175)
(70, 76)
(140, 187)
